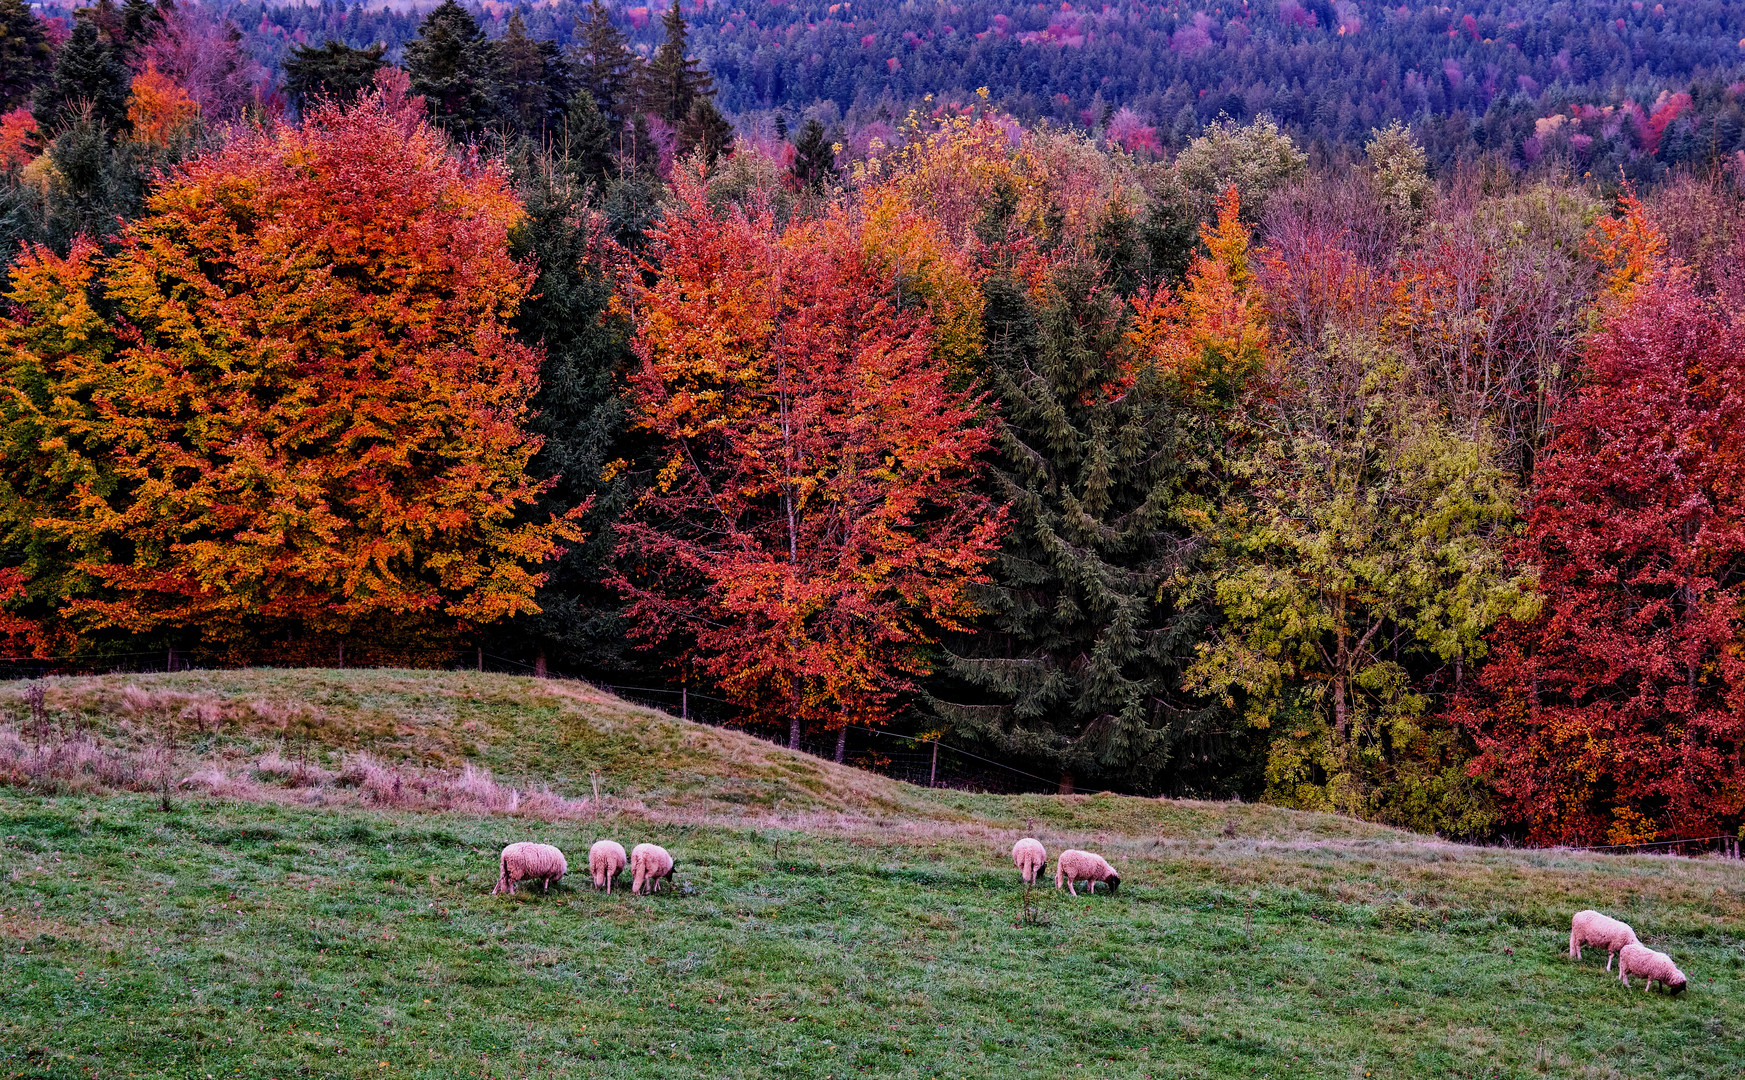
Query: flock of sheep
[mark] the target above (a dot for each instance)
(650, 864)
(1634, 958)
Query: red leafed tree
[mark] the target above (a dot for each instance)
(812, 521)
(1619, 714)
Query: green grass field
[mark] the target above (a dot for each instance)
(827, 923)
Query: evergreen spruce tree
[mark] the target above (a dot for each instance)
(585, 143)
(456, 69)
(579, 414)
(705, 129)
(814, 164)
(1078, 666)
(89, 78)
(605, 66)
(534, 82)
(334, 71)
(672, 82)
(25, 56)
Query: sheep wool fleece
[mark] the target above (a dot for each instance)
(1075, 865)
(649, 863)
(1031, 859)
(605, 860)
(526, 862)
(1591, 928)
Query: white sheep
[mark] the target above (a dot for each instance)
(1654, 967)
(605, 860)
(527, 861)
(1074, 865)
(1592, 928)
(648, 864)
(1031, 858)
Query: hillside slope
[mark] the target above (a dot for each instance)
(826, 923)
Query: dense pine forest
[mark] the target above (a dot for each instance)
(1330, 404)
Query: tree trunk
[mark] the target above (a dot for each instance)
(841, 743)
(539, 665)
(1339, 716)
(1065, 782)
(794, 732)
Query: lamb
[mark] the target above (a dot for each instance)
(1031, 858)
(1592, 928)
(648, 864)
(1635, 959)
(1074, 865)
(526, 861)
(605, 860)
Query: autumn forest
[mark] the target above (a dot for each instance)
(1352, 476)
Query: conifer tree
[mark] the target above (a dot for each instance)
(585, 144)
(456, 69)
(1081, 650)
(335, 70)
(25, 56)
(672, 82)
(814, 159)
(89, 71)
(705, 129)
(578, 412)
(534, 81)
(606, 67)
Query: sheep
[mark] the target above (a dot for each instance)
(1635, 959)
(1074, 865)
(648, 864)
(605, 860)
(1592, 928)
(1031, 858)
(525, 861)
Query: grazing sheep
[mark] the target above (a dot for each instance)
(1074, 865)
(1592, 928)
(648, 864)
(1654, 967)
(525, 861)
(605, 860)
(1031, 858)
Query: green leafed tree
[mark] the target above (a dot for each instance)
(814, 165)
(672, 81)
(1101, 463)
(89, 78)
(334, 70)
(605, 66)
(25, 56)
(578, 412)
(456, 69)
(1370, 548)
(535, 83)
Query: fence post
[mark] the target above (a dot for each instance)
(481, 658)
(933, 777)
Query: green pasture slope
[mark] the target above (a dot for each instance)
(827, 923)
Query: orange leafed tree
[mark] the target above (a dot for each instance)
(1215, 331)
(159, 108)
(304, 426)
(813, 521)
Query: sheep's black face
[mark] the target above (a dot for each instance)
(1114, 883)
(1676, 988)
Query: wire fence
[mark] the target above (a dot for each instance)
(909, 758)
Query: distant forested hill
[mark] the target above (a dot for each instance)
(1640, 86)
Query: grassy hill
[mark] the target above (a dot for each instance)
(315, 903)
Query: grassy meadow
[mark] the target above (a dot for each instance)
(300, 910)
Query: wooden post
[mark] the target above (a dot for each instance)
(933, 777)
(481, 658)
(170, 663)
(684, 701)
(539, 665)
(342, 653)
